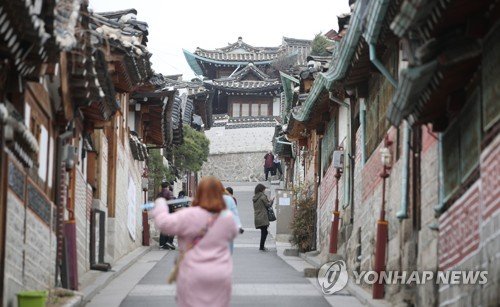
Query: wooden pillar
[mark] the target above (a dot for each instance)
(112, 159)
(3, 205)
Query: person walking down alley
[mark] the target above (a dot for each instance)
(231, 192)
(231, 206)
(277, 165)
(166, 242)
(268, 163)
(204, 231)
(260, 205)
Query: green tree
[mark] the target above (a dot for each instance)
(319, 45)
(193, 152)
(304, 218)
(157, 172)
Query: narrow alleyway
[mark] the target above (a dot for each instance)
(260, 279)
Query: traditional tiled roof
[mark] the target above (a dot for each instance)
(23, 35)
(138, 148)
(297, 41)
(238, 81)
(24, 144)
(177, 129)
(241, 53)
(126, 36)
(249, 69)
(341, 60)
(247, 86)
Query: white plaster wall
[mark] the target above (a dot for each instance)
(119, 240)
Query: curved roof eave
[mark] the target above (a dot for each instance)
(340, 63)
(191, 59)
(236, 63)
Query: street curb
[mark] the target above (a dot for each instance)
(365, 297)
(355, 290)
(92, 290)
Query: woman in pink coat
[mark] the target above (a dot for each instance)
(204, 231)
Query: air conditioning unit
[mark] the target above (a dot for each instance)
(338, 159)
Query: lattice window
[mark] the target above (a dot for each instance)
(381, 93)
(328, 145)
(461, 146)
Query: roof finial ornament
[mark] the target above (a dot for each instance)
(240, 40)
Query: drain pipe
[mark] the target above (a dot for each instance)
(403, 211)
(362, 122)
(440, 206)
(380, 66)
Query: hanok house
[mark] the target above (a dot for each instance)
(76, 177)
(115, 165)
(346, 109)
(426, 74)
(244, 93)
(184, 104)
(32, 116)
(452, 85)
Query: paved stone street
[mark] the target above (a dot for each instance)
(260, 279)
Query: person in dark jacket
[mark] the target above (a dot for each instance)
(268, 163)
(260, 205)
(166, 242)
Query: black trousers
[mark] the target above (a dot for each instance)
(267, 170)
(263, 236)
(278, 168)
(166, 239)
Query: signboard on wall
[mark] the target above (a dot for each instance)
(132, 208)
(284, 211)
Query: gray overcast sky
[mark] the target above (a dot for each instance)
(174, 25)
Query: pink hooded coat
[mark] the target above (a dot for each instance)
(205, 273)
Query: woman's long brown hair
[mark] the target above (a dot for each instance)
(209, 195)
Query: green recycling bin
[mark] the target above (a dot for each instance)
(31, 298)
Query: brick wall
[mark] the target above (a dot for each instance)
(469, 236)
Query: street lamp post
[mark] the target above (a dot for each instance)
(382, 224)
(145, 223)
(336, 216)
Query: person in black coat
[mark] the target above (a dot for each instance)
(166, 242)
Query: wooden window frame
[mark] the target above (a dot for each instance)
(460, 156)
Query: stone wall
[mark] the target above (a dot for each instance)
(356, 242)
(427, 237)
(243, 166)
(237, 154)
(30, 243)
